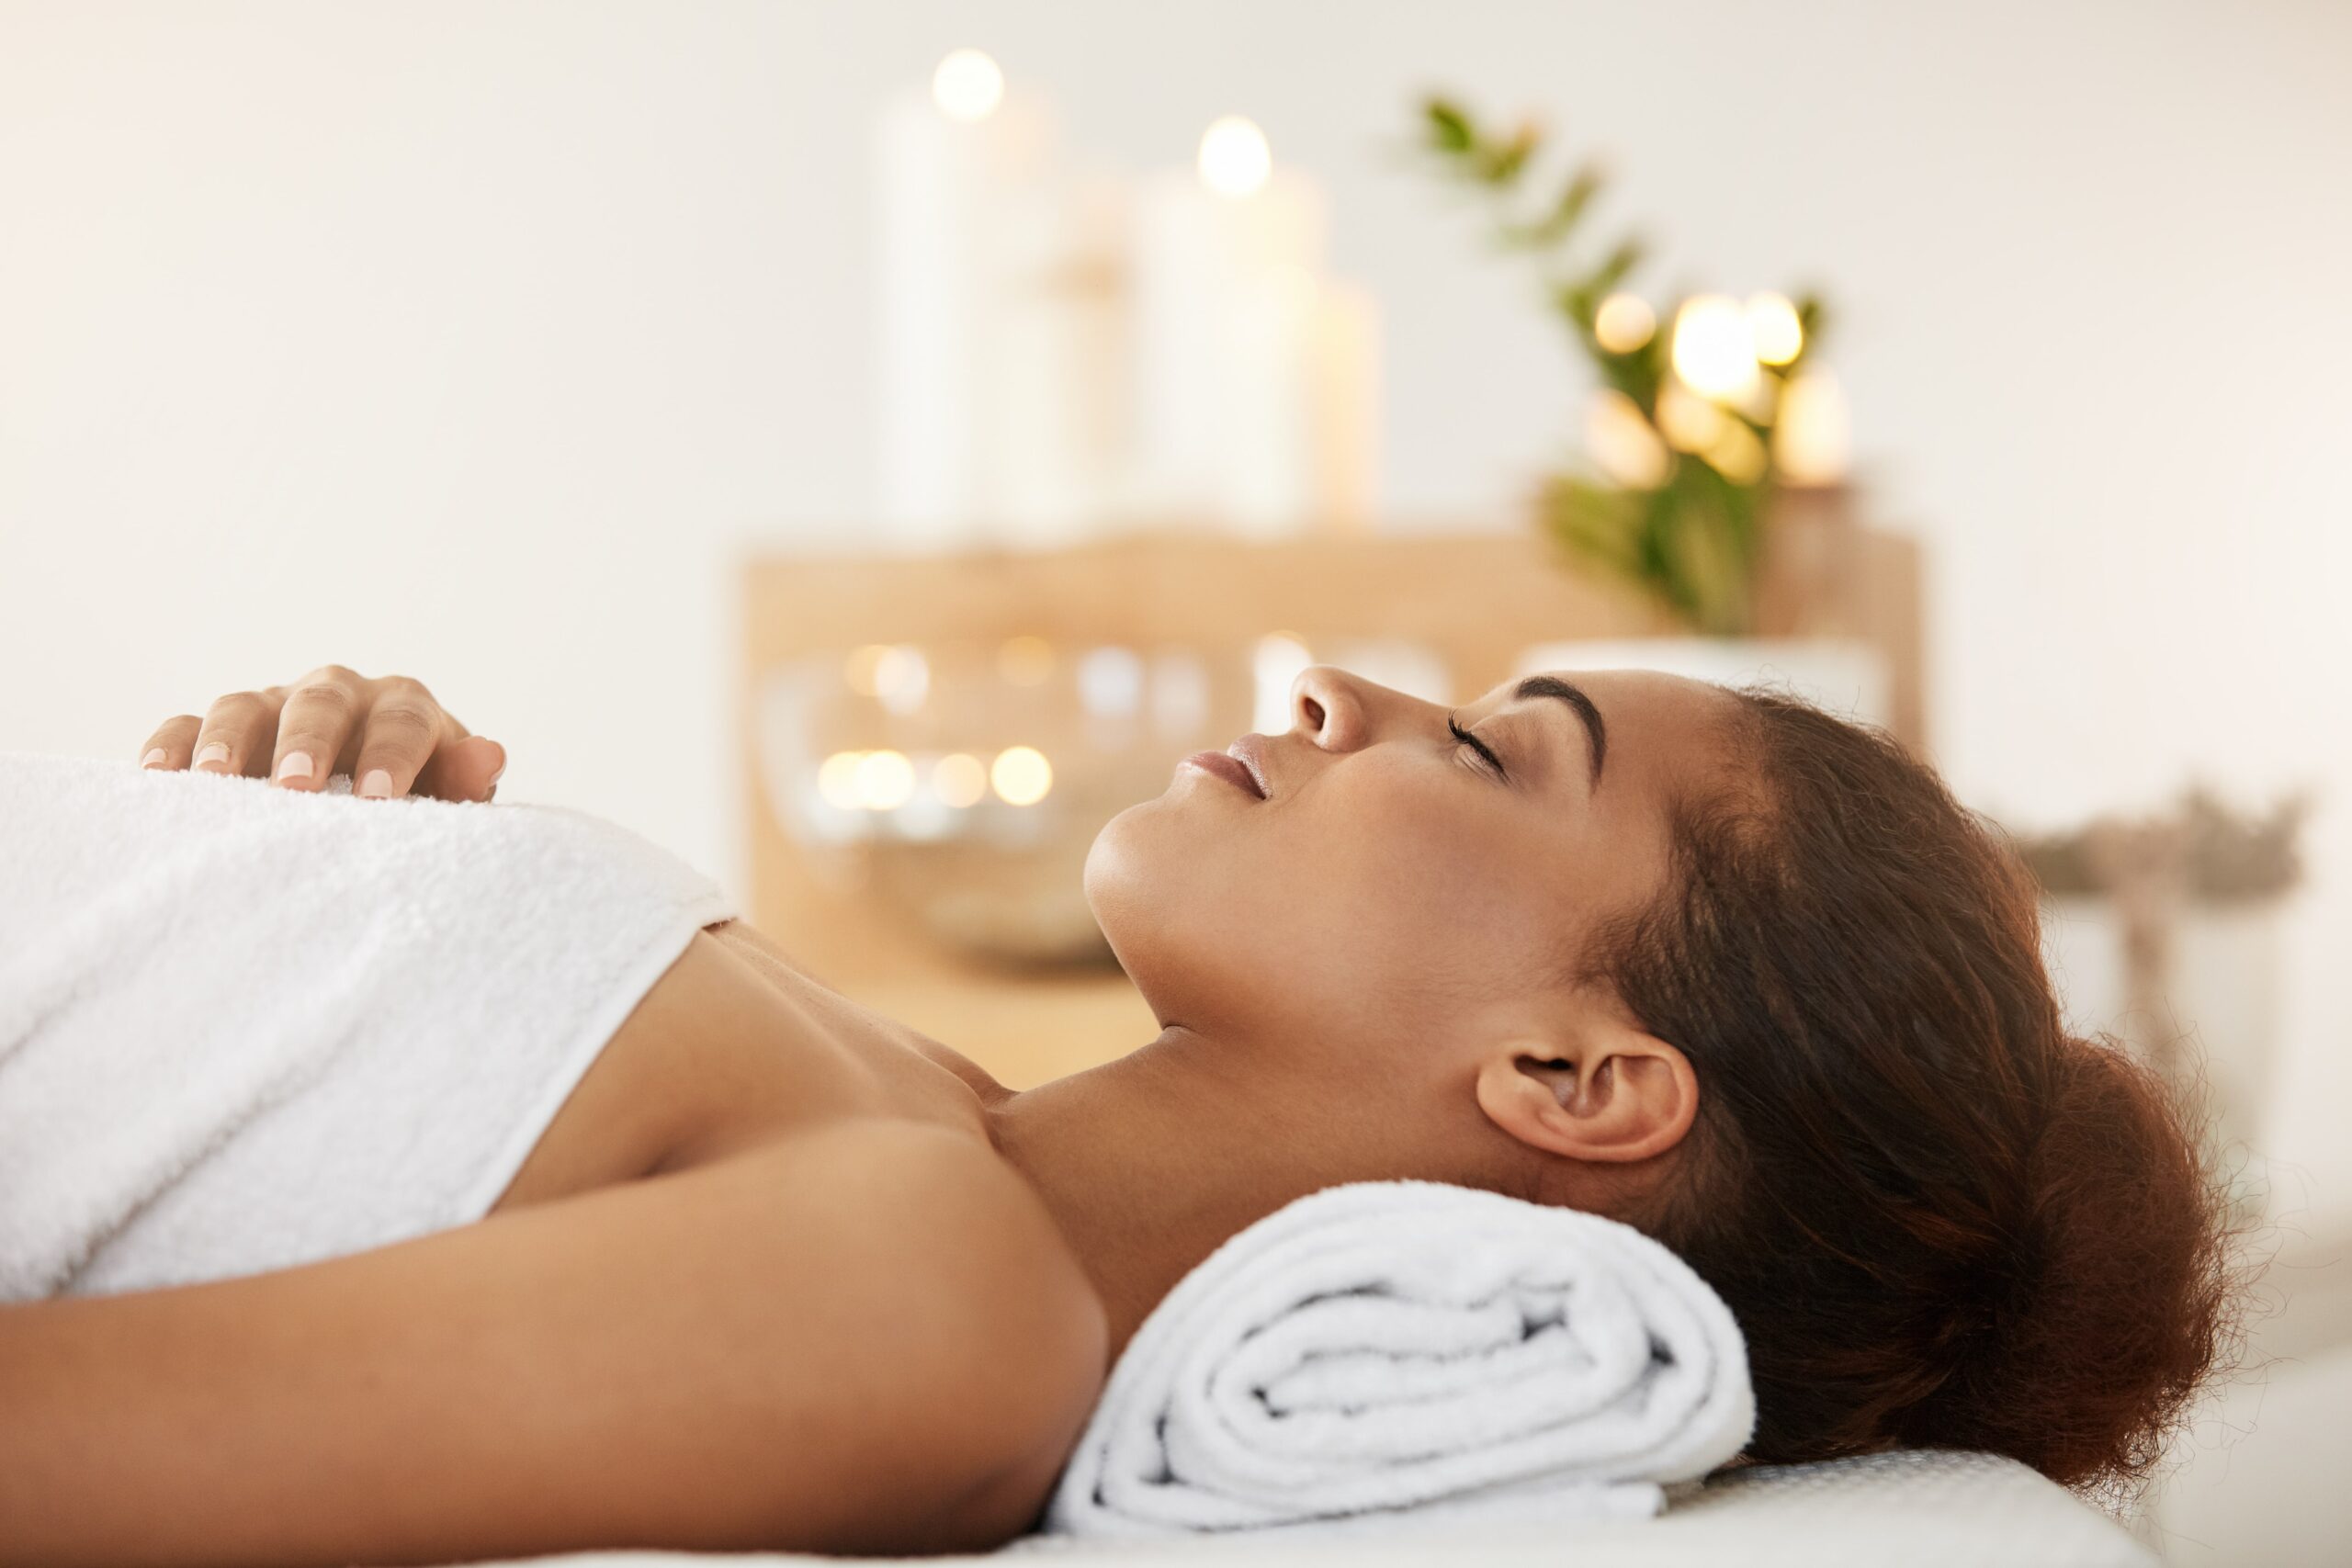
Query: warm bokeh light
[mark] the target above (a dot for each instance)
(1179, 688)
(860, 668)
(1688, 420)
(1024, 660)
(1813, 443)
(1737, 453)
(958, 780)
(1623, 323)
(1235, 158)
(968, 86)
(1275, 667)
(1714, 350)
(884, 781)
(1110, 682)
(1021, 775)
(1772, 324)
(1621, 442)
(837, 780)
(901, 679)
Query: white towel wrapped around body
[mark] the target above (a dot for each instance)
(243, 1028)
(1411, 1345)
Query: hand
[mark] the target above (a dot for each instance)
(389, 735)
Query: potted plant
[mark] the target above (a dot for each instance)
(1709, 417)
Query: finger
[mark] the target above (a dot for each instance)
(314, 727)
(463, 770)
(236, 733)
(404, 726)
(172, 744)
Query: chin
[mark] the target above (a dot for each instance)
(1140, 872)
(1203, 914)
(1112, 877)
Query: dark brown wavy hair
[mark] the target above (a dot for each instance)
(1941, 1220)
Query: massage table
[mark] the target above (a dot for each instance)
(1921, 1510)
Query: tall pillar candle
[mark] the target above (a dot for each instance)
(1216, 320)
(1346, 399)
(943, 189)
(1053, 422)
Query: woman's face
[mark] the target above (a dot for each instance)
(1391, 885)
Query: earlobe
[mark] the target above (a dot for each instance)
(1629, 1096)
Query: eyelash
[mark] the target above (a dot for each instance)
(1476, 745)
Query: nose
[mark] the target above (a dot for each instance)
(1331, 707)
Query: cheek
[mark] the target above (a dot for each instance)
(1410, 868)
(1382, 888)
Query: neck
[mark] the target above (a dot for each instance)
(1149, 1163)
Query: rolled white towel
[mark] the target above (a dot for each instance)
(1411, 1345)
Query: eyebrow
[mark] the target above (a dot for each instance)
(1595, 732)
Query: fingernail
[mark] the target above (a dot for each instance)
(376, 784)
(216, 752)
(151, 758)
(294, 765)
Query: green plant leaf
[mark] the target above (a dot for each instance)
(1448, 126)
(1556, 225)
(1612, 272)
(1506, 161)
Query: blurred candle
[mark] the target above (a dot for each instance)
(1715, 346)
(1021, 775)
(1347, 407)
(1223, 343)
(1621, 443)
(1054, 420)
(968, 86)
(1268, 406)
(1275, 664)
(951, 163)
(1772, 323)
(1235, 159)
(1623, 323)
(1812, 441)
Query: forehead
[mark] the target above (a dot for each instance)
(1649, 700)
(1663, 729)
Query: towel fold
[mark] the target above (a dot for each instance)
(1410, 1346)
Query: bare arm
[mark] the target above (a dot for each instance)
(869, 1338)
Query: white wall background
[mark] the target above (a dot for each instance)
(474, 340)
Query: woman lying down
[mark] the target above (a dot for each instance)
(390, 1179)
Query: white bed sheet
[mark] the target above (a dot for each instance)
(1924, 1510)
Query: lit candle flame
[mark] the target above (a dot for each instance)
(968, 86)
(1235, 158)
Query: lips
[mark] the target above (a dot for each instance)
(1229, 769)
(1251, 752)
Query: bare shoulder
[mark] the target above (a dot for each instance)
(936, 1205)
(951, 1245)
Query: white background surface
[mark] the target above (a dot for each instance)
(473, 341)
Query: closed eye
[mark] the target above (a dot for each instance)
(1476, 745)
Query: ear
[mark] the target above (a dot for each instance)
(1617, 1094)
